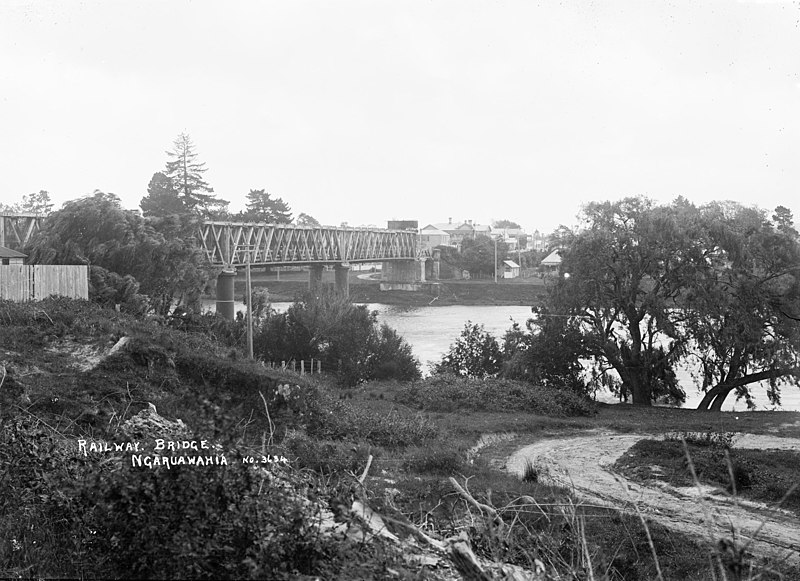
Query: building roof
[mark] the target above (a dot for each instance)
(511, 264)
(552, 259)
(431, 231)
(8, 253)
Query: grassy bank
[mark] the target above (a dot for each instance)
(408, 452)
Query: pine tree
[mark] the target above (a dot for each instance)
(37, 203)
(261, 207)
(186, 174)
(162, 198)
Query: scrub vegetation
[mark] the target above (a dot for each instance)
(401, 452)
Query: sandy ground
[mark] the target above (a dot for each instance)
(583, 463)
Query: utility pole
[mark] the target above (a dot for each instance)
(495, 260)
(249, 310)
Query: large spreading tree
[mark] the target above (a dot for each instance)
(743, 305)
(620, 282)
(160, 254)
(651, 286)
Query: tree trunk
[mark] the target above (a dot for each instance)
(716, 405)
(715, 397)
(639, 389)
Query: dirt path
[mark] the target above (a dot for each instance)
(583, 463)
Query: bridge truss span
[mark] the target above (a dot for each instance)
(230, 244)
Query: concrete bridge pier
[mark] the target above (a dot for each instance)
(315, 277)
(224, 293)
(342, 278)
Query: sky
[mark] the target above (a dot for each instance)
(362, 112)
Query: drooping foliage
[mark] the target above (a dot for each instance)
(160, 254)
(651, 286)
(742, 309)
(620, 279)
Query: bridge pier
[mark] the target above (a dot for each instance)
(407, 275)
(315, 277)
(342, 278)
(224, 293)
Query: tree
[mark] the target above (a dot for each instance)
(186, 174)
(784, 221)
(160, 254)
(37, 203)
(345, 337)
(478, 254)
(547, 353)
(506, 224)
(162, 197)
(743, 306)
(261, 207)
(475, 353)
(306, 220)
(621, 277)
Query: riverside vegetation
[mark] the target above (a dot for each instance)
(401, 448)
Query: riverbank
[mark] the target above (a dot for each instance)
(446, 293)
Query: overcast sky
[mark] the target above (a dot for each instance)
(428, 110)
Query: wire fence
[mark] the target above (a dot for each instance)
(303, 367)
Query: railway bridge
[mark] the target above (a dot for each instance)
(231, 245)
(235, 244)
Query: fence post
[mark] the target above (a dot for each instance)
(294, 365)
(319, 366)
(302, 367)
(283, 365)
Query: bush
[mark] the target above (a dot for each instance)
(442, 393)
(345, 337)
(475, 353)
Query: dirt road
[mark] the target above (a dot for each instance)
(583, 463)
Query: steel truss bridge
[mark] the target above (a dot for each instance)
(17, 228)
(231, 244)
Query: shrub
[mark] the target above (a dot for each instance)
(708, 439)
(475, 353)
(345, 337)
(443, 393)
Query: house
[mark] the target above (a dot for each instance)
(510, 269)
(431, 237)
(8, 256)
(552, 261)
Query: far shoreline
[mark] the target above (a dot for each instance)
(445, 293)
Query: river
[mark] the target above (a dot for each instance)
(431, 330)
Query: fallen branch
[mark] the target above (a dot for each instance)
(366, 470)
(484, 508)
(269, 419)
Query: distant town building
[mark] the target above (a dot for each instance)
(510, 269)
(430, 237)
(403, 225)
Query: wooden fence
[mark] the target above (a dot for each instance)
(24, 282)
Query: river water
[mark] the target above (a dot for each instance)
(431, 330)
